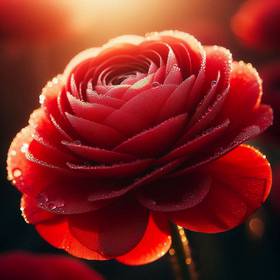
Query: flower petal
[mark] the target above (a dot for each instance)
(187, 192)
(238, 189)
(140, 111)
(156, 140)
(57, 233)
(218, 60)
(32, 213)
(154, 244)
(112, 231)
(244, 94)
(95, 133)
(120, 170)
(97, 154)
(192, 146)
(260, 120)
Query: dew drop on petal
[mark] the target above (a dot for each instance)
(42, 99)
(13, 153)
(24, 148)
(155, 84)
(77, 142)
(17, 173)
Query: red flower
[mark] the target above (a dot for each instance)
(137, 133)
(26, 266)
(257, 23)
(34, 21)
(271, 88)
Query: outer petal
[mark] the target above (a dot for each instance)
(57, 233)
(218, 60)
(112, 231)
(245, 93)
(27, 176)
(32, 213)
(154, 244)
(187, 192)
(241, 181)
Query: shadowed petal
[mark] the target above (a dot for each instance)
(238, 188)
(112, 231)
(154, 244)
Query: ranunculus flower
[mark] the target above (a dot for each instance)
(257, 24)
(137, 133)
(271, 88)
(26, 266)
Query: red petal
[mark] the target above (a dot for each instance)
(208, 117)
(218, 60)
(176, 103)
(112, 231)
(28, 176)
(114, 190)
(68, 198)
(97, 154)
(174, 76)
(89, 111)
(107, 100)
(57, 233)
(238, 189)
(130, 169)
(154, 244)
(255, 125)
(244, 94)
(154, 141)
(31, 212)
(44, 129)
(192, 146)
(51, 155)
(95, 133)
(176, 193)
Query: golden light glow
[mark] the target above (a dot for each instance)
(256, 227)
(187, 253)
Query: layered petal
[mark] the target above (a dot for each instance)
(154, 244)
(57, 233)
(112, 231)
(238, 188)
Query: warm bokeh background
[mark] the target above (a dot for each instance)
(38, 46)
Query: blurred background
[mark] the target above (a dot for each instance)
(38, 38)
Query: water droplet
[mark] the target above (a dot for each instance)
(51, 206)
(176, 68)
(55, 80)
(42, 99)
(17, 173)
(24, 148)
(77, 142)
(213, 83)
(155, 84)
(49, 84)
